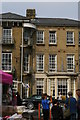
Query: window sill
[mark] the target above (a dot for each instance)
(52, 71)
(53, 44)
(70, 44)
(40, 44)
(70, 72)
(39, 72)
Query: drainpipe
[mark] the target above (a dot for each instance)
(21, 62)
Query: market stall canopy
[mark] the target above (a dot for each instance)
(5, 78)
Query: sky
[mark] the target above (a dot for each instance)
(44, 9)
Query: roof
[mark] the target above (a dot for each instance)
(42, 21)
(11, 16)
(55, 22)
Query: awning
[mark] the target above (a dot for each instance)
(5, 78)
(29, 25)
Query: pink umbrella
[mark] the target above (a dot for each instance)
(5, 78)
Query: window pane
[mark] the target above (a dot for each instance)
(40, 62)
(70, 37)
(26, 63)
(40, 37)
(52, 63)
(39, 86)
(7, 35)
(62, 86)
(6, 61)
(52, 86)
(70, 63)
(52, 37)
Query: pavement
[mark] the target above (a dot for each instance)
(33, 115)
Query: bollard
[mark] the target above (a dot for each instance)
(50, 110)
(50, 115)
(39, 111)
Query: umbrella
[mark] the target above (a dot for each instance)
(5, 78)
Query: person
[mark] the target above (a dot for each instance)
(14, 99)
(45, 105)
(60, 96)
(19, 101)
(78, 103)
(57, 111)
(9, 95)
(71, 103)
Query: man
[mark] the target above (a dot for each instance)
(78, 103)
(45, 105)
(71, 104)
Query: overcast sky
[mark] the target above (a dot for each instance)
(44, 9)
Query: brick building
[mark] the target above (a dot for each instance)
(43, 53)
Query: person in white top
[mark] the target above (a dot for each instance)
(60, 96)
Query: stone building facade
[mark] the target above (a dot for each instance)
(43, 54)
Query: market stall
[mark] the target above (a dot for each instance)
(5, 78)
(6, 81)
(9, 111)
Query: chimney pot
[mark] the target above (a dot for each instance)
(30, 13)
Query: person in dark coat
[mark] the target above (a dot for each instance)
(57, 112)
(19, 101)
(78, 103)
(71, 104)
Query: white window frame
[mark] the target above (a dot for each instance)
(69, 37)
(5, 62)
(73, 87)
(39, 36)
(39, 62)
(7, 38)
(26, 63)
(39, 85)
(52, 37)
(51, 62)
(72, 67)
(61, 88)
(52, 86)
(79, 37)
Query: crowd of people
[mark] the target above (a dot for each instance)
(70, 110)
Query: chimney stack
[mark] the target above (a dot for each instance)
(30, 13)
